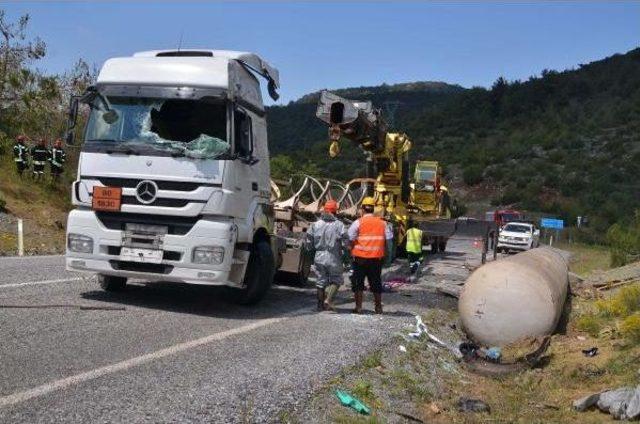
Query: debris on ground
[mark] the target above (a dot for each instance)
(604, 280)
(515, 357)
(590, 352)
(347, 400)
(402, 349)
(622, 403)
(472, 405)
(422, 329)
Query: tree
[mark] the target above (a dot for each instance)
(15, 51)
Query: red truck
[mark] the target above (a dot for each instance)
(502, 216)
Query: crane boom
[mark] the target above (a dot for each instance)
(387, 152)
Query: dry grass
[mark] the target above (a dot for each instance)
(587, 258)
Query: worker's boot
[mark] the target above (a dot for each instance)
(377, 298)
(329, 293)
(320, 299)
(358, 297)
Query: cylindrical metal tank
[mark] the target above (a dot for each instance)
(515, 297)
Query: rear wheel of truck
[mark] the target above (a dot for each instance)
(259, 276)
(111, 284)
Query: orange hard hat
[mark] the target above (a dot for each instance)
(331, 206)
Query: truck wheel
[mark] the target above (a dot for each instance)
(442, 246)
(111, 284)
(259, 276)
(434, 247)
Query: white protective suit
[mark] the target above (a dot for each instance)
(327, 237)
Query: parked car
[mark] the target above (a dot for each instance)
(518, 236)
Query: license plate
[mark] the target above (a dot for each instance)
(106, 198)
(141, 255)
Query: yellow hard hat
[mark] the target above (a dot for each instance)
(368, 201)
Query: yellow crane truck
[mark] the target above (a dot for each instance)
(425, 200)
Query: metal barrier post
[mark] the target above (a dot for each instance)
(20, 238)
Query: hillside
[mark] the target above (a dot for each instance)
(565, 143)
(42, 206)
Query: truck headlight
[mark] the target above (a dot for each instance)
(212, 255)
(79, 243)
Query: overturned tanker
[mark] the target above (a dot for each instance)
(519, 296)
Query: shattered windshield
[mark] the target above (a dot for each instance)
(193, 128)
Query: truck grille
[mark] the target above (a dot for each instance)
(168, 203)
(177, 225)
(162, 185)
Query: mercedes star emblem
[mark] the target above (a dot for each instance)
(146, 191)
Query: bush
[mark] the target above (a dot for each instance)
(625, 241)
(472, 174)
(589, 324)
(630, 327)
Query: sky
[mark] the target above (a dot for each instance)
(342, 44)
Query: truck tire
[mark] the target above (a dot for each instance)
(111, 283)
(259, 276)
(442, 246)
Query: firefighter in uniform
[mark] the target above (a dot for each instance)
(39, 157)
(20, 154)
(369, 236)
(57, 160)
(414, 246)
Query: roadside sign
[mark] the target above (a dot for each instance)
(558, 224)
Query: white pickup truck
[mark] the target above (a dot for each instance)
(518, 236)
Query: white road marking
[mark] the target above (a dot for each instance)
(134, 362)
(36, 283)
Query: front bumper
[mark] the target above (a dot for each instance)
(176, 264)
(514, 245)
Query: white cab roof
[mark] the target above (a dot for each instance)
(168, 67)
(166, 71)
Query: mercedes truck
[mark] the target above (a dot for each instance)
(173, 180)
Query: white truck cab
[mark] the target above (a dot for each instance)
(173, 179)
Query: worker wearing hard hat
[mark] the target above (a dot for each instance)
(327, 236)
(414, 246)
(20, 154)
(369, 235)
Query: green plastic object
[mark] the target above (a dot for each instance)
(347, 400)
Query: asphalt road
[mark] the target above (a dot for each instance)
(177, 353)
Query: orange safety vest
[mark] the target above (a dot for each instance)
(370, 241)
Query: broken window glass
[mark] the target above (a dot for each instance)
(194, 128)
